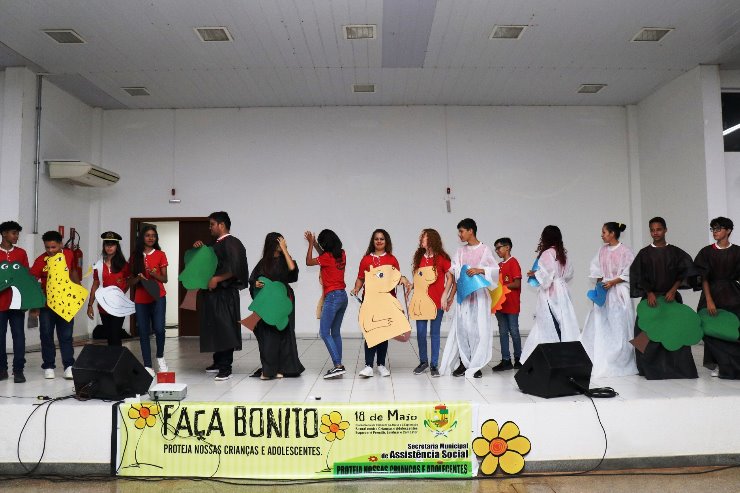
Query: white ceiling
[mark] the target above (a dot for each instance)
(292, 52)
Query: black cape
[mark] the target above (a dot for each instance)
(656, 269)
(220, 329)
(278, 349)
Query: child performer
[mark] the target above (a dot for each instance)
(470, 340)
(432, 253)
(379, 252)
(150, 262)
(718, 266)
(111, 270)
(555, 318)
(9, 230)
(508, 315)
(332, 260)
(609, 328)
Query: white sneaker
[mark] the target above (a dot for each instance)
(384, 372)
(715, 372)
(161, 364)
(68, 373)
(367, 372)
(149, 371)
(49, 373)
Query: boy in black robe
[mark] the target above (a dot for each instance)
(661, 269)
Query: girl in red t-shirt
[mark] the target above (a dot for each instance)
(149, 262)
(111, 270)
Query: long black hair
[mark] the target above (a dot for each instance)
(137, 262)
(329, 242)
(552, 238)
(269, 260)
(117, 260)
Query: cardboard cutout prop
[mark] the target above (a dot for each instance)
(272, 304)
(498, 295)
(251, 321)
(725, 325)
(381, 316)
(598, 294)
(26, 290)
(190, 300)
(640, 341)
(422, 306)
(467, 284)
(200, 265)
(64, 297)
(150, 286)
(671, 324)
(114, 301)
(531, 280)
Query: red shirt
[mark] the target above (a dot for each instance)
(332, 272)
(509, 272)
(37, 269)
(156, 260)
(15, 254)
(373, 260)
(437, 288)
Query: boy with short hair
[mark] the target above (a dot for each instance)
(508, 316)
(48, 319)
(9, 230)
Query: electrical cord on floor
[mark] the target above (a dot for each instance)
(47, 403)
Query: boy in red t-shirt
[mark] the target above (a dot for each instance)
(508, 315)
(11, 253)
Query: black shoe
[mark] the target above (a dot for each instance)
(421, 368)
(504, 365)
(478, 374)
(212, 369)
(18, 376)
(3, 374)
(223, 375)
(257, 373)
(434, 371)
(517, 364)
(459, 372)
(337, 371)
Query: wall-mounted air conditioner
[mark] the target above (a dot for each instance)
(81, 173)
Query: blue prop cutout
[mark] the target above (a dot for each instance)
(467, 284)
(597, 295)
(531, 280)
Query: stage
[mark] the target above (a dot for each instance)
(668, 423)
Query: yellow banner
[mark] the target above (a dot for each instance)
(294, 441)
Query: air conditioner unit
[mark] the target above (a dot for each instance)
(81, 173)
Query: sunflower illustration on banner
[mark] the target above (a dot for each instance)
(333, 427)
(144, 416)
(504, 448)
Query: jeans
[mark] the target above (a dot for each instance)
(48, 321)
(421, 335)
(15, 318)
(150, 317)
(508, 324)
(335, 303)
(381, 350)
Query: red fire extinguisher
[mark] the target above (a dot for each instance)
(74, 244)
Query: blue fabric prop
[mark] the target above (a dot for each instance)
(597, 295)
(467, 284)
(531, 280)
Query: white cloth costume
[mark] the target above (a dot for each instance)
(471, 335)
(553, 300)
(609, 328)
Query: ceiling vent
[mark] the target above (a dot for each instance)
(64, 36)
(81, 173)
(507, 32)
(360, 31)
(590, 88)
(366, 88)
(137, 91)
(652, 34)
(208, 34)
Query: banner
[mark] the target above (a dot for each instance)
(294, 441)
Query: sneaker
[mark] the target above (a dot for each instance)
(257, 373)
(335, 372)
(421, 368)
(715, 372)
(161, 364)
(459, 372)
(18, 376)
(150, 371)
(384, 372)
(3, 374)
(517, 364)
(212, 369)
(434, 372)
(223, 375)
(49, 373)
(478, 374)
(504, 365)
(68, 373)
(366, 372)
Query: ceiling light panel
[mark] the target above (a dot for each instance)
(507, 32)
(208, 34)
(591, 88)
(64, 36)
(360, 31)
(136, 91)
(651, 34)
(366, 88)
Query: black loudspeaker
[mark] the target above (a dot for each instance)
(548, 370)
(109, 372)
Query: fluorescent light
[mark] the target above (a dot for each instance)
(731, 129)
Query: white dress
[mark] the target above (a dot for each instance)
(553, 299)
(471, 335)
(609, 328)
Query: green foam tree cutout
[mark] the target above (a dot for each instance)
(725, 325)
(15, 275)
(200, 265)
(272, 304)
(672, 324)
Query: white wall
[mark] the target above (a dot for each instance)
(352, 169)
(169, 241)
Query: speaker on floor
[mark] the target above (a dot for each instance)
(549, 369)
(109, 372)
